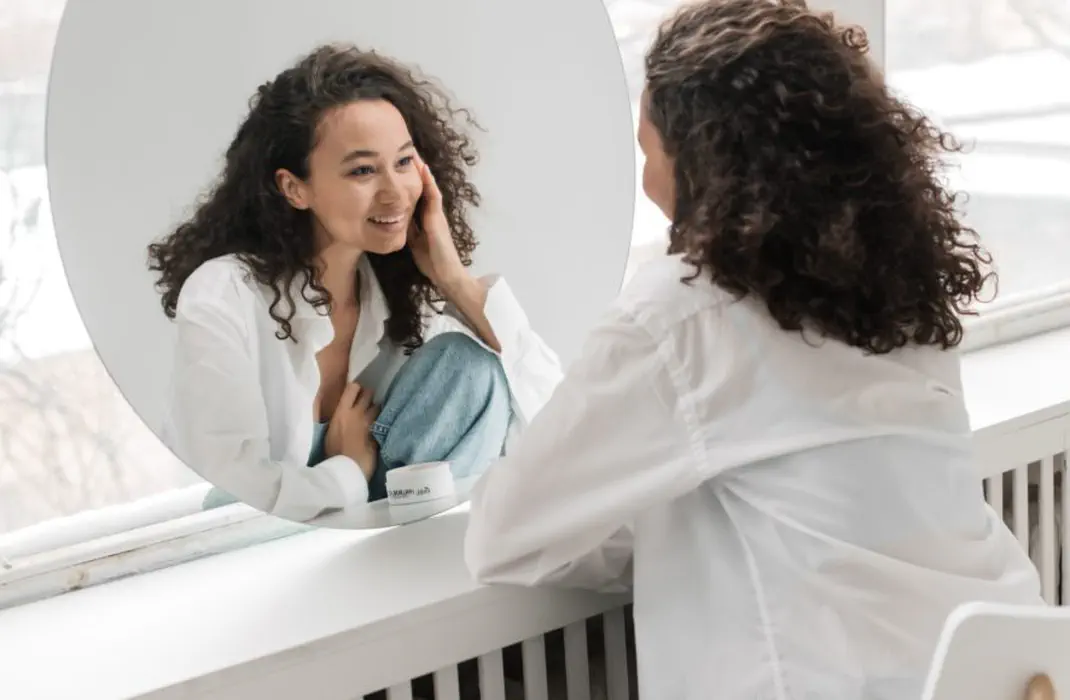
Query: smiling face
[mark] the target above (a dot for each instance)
(658, 179)
(362, 185)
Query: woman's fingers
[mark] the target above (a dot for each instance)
(349, 396)
(431, 191)
(364, 399)
(364, 404)
(357, 399)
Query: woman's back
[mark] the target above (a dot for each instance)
(785, 437)
(843, 524)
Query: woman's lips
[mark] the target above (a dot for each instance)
(389, 223)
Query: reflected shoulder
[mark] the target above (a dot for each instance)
(219, 281)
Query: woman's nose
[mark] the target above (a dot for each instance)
(390, 188)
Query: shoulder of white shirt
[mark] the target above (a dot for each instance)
(226, 282)
(214, 278)
(666, 291)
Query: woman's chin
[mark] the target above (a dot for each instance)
(381, 244)
(380, 239)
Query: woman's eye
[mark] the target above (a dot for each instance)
(405, 162)
(362, 170)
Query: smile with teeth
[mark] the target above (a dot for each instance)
(387, 220)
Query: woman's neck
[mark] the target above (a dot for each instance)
(338, 275)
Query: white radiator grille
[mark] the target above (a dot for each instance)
(588, 660)
(1031, 500)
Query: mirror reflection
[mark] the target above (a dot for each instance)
(334, 263)
(332, 346)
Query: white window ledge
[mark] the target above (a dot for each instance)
(334, 614)
(323, 614)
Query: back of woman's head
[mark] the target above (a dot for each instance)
(798, 179)
(246, 214)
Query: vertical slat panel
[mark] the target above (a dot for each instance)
(994, 487)
(1065, 549)
(1020, 509)
(533, 652)
(447, 684)
(577, 673)
(401, 691)
(1047, 529)
(491, 676)
(616, 642)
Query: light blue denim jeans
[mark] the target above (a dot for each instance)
(449, 402)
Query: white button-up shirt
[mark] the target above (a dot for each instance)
(803, 517)
(241, 401)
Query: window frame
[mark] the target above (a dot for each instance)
(94, 547)
(43, 570)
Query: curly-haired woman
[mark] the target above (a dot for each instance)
(325, 314)
(768, 430)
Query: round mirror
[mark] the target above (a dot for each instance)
(266, 213)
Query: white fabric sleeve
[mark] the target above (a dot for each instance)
(218, 422)
(531, 366)
(611, 442)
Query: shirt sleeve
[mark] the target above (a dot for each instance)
(612, 441)
(532, 368)
(218, 422)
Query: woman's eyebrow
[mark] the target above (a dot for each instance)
(365, 153)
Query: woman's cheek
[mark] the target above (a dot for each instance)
(414, 185)
(658, 184)
(653, 184)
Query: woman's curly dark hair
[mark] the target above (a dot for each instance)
(802, 181)
(245, 214)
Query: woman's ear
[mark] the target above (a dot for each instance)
(292, 188)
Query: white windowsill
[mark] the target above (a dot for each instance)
(325, 614)
(1018, 383)
(320, 614)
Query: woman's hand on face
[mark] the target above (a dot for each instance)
(350, 431)
(431, 241)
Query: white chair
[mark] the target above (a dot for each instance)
(1002, 652)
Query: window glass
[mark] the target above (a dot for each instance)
(69, 443)
(997, 75)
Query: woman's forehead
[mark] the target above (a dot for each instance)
(374, 126)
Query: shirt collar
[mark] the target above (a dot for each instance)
(373, 307)
(371, 326)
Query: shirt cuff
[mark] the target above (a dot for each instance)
(352, 485)
(504, 313)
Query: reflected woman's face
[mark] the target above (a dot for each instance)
(363, 184)
(658, 180)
